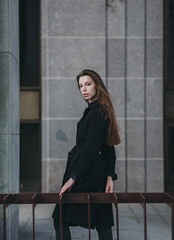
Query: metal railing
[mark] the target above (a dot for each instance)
(87, 198)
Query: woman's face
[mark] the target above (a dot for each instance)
(87, 88)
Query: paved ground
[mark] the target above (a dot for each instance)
(130, 223)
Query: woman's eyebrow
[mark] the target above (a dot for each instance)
(85, 82)
(88, 81)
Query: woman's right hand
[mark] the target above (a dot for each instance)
(109, 185)
(67, 186)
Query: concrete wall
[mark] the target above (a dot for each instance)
(123, 43)
(9, 109)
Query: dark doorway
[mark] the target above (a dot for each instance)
(169, 95)
(30, 96)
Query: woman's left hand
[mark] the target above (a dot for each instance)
(109, 185)
(67, 186)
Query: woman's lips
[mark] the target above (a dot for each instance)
(85, 94)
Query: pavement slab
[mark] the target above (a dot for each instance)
(131, 223)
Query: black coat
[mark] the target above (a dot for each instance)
(89, 163)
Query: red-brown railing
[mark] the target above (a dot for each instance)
(87, 198)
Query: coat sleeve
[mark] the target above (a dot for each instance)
(110, 159)
(94, 141)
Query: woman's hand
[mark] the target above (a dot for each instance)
(67, 186)
(109, 185)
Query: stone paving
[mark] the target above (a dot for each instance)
(130, 223)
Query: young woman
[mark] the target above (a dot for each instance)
(91, 163)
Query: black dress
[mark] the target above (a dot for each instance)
(89, 163)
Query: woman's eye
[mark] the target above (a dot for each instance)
(88, 84)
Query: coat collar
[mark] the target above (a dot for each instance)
(93, 104)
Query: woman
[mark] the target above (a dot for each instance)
(91, 163)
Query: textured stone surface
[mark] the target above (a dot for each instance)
(135, 58)
(44, 138)
(4, 23)
(65, 99)
(45, 98)
(119, 184)
(135, 138)
(154, 98)
(135, 98)
(44, 175)
(76, 40)
(135, 18)
(135, 176)
(9, 110)
(154, 66)
(14, 165)
(56, 171)
(44, 50)
(44, 18)
(117, 91)
(116, 18)
(61, 137)
(14, 223)
(154, 138)
(14, 28)
(116, 58)
(155, 18)
(155, 175)
(120, 148)
(76, 18)
(131, 223)
(4, 93)
(4, 158)
(14, 95)
(68, 56)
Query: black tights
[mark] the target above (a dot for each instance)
(103, 234)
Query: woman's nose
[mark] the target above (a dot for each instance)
(84, 89)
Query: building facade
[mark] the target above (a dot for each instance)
(123, 42)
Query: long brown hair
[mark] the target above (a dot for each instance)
(104, 99)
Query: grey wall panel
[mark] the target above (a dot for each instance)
(76, 18)
(135, 58)
(154, 98)
(56, 171)
(135, 98)
(116, 18)
(117, 90)
(65, 99)
(4, 23)
(135, 18)
(135, 138)
(154, 138)
(135, 175)
(69, 56)
(62, 135)
(155, 18)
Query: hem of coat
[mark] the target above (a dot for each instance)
(70, 224)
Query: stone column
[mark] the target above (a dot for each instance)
(9, 109)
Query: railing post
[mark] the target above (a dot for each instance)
(143, 204)
(60, 206)
(4, 220)
(89, 217)
(117, 217)
(171, 205)
(4, 215)
(173, 220)
(33, 214)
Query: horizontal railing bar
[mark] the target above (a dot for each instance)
(2, 196)
(28, 198)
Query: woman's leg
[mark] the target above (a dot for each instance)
(65, 231)
(105, 234)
